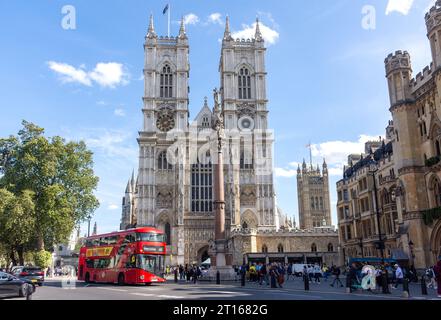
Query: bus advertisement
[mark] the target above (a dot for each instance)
(134, 256)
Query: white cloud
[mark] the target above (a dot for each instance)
(191, 18)
(215, 18)
(248, 31)
(401, 6)
(110, 74)
(336, 152)
(120, 113)
(285, 173)
(113, 207)
(70, 74)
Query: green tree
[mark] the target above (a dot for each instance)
(58, 173)
(17, 221)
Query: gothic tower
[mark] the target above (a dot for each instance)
(160, 183)
(249, 177)
(313, 197)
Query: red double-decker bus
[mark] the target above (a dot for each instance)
(134, 256)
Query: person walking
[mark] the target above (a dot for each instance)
(431, 278)
(273, 276)
(437, 271)
(399, 276)
(263, 275)
(289, 271)
(281, 275)
(317, 273)
(336, 273)
(310, 272)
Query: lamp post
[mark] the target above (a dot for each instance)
(372, 170)
(89, 218)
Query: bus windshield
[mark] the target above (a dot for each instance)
(149, 263)
(150, 237)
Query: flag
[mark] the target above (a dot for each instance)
(165, 9)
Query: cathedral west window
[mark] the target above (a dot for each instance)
(163, 164)
(202, 187)
(166, 83)
(244, 84)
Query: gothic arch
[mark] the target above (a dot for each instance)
(435, 127)
(164, 222)
(164, 61)
(202, 254)
(245, 64)
(434, 188)
(250, 218)
(435, 241)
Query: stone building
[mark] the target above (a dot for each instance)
(313, 197)
(414, 183)
(173, 189)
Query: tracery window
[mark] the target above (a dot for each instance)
(163, 164)
(244, 84)
(202, 187)
(166, 82)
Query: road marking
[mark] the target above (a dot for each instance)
(169, 297)
(143, 294)
(112, 289)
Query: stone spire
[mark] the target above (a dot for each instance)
(182, 34)
(227, 33)
(129, 187)
(258, 35)
(151, 32)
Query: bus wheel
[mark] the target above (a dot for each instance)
(121, 281)
(87, 278)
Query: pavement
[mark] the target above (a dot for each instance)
(70, 289)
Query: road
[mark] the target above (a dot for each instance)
(65, 289)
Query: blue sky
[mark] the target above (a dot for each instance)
(326, 79)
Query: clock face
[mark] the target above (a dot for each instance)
(246, 123)
(165, 122)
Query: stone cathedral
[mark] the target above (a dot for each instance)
(173, 189)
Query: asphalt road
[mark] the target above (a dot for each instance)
(65, 289)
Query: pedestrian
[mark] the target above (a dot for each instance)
(273, 275)
(336, 273)
(181, 272)
(352, 276)
(431, 278)
(263, 275)
(437, 271)
(289, 272)
(281, 275)
(317, 273)
(399, 276)
(325, 271)
(310, 272)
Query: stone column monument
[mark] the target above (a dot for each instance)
(221, 257)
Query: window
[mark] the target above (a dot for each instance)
(202, 187)
(167, 230)
(437, 193)
(245, 225)
(162, 162)
(264, 249)
(244, 86)
(438, 150)
(312, 203)
(130, 238)
(280, 248)
(330, 247)
(313, 247)
(205, 122)
(166, 82)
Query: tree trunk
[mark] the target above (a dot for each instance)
(40, 243)
(12, 257)
(20, 252)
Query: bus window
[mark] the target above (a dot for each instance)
(89, 263)
(104, 241)
(129, 238)
(96, 242)
(112, 240)
(132, 262)
(89, 243)
(150, 237)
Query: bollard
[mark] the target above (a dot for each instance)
(218, 277)
(406, 292)
(242, 279)
(423, 286)
(176, 276)
(348, 284)
(306, 282)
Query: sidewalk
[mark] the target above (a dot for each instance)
(325, 287)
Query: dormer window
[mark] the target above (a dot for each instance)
(205, 122)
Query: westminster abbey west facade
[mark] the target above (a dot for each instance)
(173, 190)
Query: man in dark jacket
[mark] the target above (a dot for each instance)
(336, 273)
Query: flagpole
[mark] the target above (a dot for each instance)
(169, 9)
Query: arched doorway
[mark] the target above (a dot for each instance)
(203, 254)
(435, 241)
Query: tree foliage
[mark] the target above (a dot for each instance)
(43, 259)
(46, 188)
